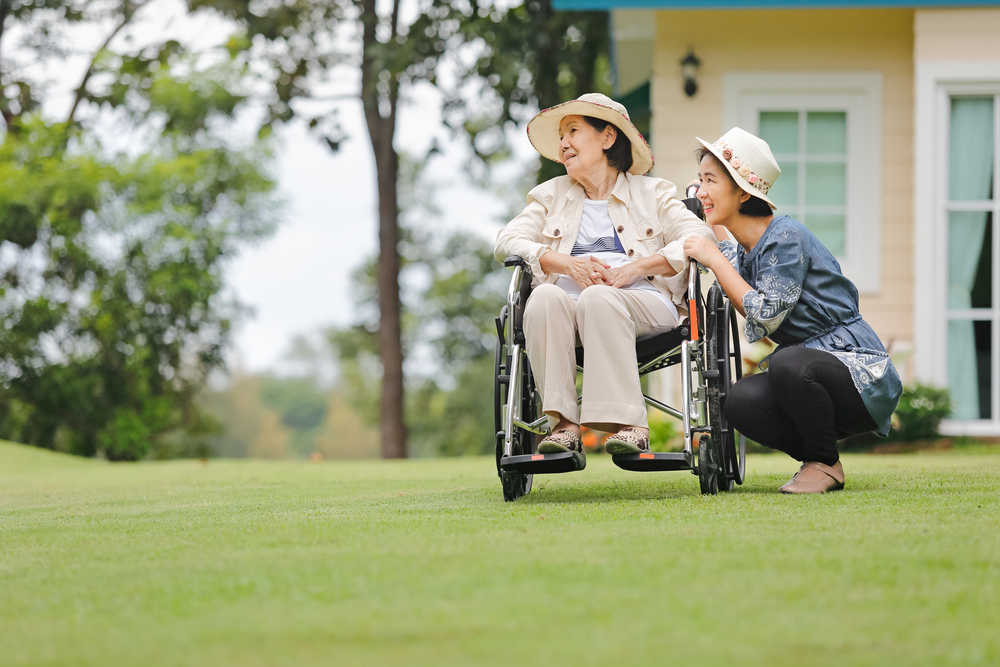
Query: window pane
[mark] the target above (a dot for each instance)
(780, 129)
(969, 368)
(826, 133)
(785, 191)
(830, 230)
(970, 166)
(826, 184)
(969, 256)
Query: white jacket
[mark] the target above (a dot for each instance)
(647, 215)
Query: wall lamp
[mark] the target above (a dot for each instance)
(689, 70)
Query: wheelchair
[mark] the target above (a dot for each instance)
(707, 347)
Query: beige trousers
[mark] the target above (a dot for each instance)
(608, 320)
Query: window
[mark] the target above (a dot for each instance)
(811, 147)
(825, 132)
(956, 240)
(971, 312)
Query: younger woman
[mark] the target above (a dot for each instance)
(830, 377)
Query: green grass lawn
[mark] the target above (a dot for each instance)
(422, 563)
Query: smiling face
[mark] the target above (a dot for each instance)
(720, 196)
(581, 147)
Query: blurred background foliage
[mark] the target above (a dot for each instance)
(112, 302)
(120, 207)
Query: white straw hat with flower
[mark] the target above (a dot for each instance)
(543, 129)
(749, 161)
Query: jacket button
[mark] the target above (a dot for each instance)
(649, 278)
(621, 229)
(649, 232)
(631, 252)
(557, 232)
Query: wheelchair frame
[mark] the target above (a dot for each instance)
(707, 347)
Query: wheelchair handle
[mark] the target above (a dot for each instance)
(693, 297)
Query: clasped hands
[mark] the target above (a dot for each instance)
(592, 271)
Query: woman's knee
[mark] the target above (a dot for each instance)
(745, 400)
(544, 300)
(598, 299)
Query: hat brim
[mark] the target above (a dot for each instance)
(543, 131)
(744, 184)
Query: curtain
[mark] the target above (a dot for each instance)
(970, 174)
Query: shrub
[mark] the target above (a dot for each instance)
(920, 411)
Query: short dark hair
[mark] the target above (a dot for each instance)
(755, 207)
(620, 154)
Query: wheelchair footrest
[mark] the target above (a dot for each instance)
(544, 464)
(653, 461)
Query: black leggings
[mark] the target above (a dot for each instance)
(802, 405)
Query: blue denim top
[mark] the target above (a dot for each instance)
(801, 297)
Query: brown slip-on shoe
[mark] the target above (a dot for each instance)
(816, 477)
(627, 441)
(563, 440)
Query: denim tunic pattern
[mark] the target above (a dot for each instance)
(801, 297)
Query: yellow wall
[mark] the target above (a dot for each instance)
(787, 41)
(957, 34)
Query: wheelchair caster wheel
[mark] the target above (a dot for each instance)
(515, 485)
(708, 467)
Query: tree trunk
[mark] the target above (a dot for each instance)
(380, 117)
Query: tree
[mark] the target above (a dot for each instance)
(112, 299)
(392, 56)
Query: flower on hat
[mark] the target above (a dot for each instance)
(736, 163)
(744, 171)
(752, 177)
(728, 154)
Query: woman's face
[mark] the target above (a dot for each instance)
(718, 194)
(581, 147)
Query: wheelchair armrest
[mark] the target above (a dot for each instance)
(515, 260)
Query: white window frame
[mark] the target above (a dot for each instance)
(859, 94)
(936, 82)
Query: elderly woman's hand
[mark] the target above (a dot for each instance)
(622, 276)
(584, 271)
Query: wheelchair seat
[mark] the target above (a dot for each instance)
(651, 347)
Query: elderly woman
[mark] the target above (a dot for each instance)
(830, 376)
(605, 246)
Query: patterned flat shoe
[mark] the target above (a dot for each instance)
(627, 441)
(563, 440)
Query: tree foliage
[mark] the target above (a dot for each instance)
(112, 299)
(525, 57)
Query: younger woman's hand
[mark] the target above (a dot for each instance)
(703, 249)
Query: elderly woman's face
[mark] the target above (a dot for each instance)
(581, 147)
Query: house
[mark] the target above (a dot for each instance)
(885, 118)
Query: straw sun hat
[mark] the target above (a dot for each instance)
(543, 129)
(749, 161)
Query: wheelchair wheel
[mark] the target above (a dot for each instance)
(724, 365)
(736, 449)
(514, 484)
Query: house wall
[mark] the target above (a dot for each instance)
(798, 41)
(956, 34)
